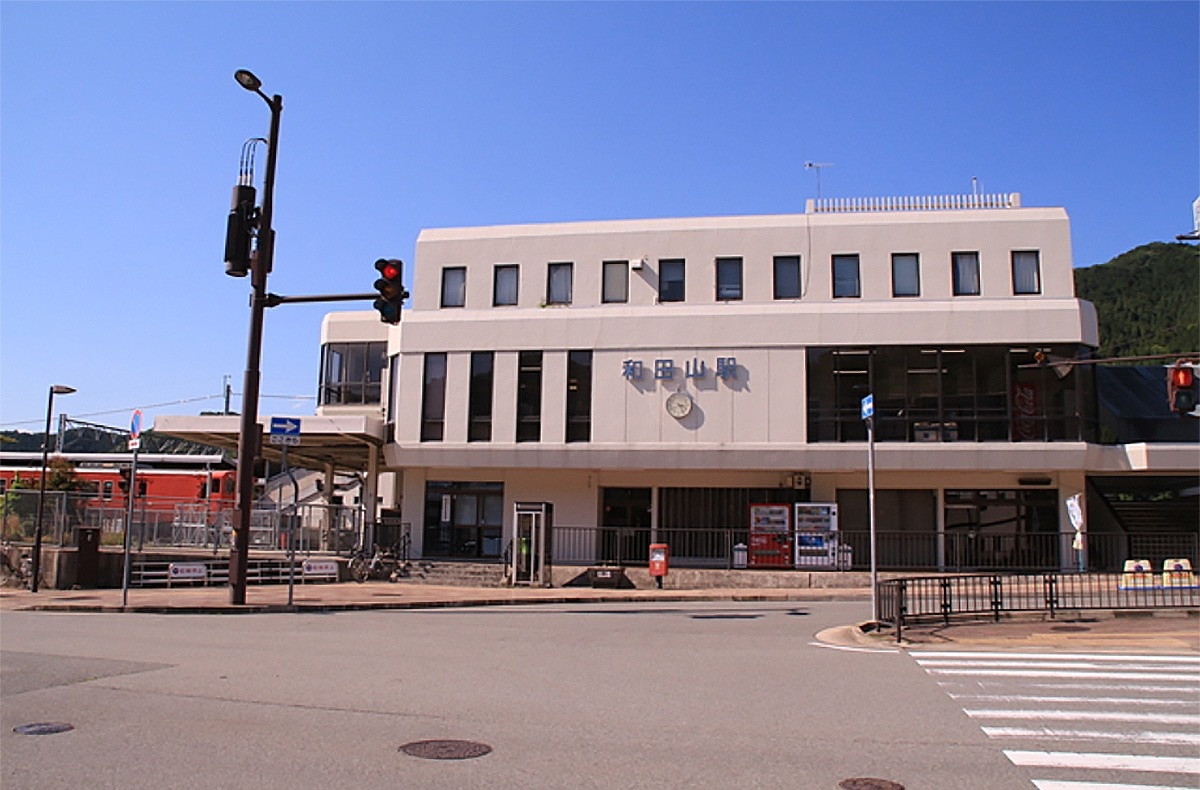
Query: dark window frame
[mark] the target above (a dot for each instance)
(959, 287)
(459, 299)
(846, 258)
(916, 260)
(725, 292)
(605, 296)
(579, 396)
(557, 266)
(433, 397)
(529, 396)
(674, 290)
(786, 260)
(1037, 273)
(481, 393)
(516, 274)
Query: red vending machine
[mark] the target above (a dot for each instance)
(770, 536)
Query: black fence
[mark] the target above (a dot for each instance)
(903, 602)
(953, 551)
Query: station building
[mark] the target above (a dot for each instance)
(655, 379)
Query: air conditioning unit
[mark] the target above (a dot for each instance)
(636, 264)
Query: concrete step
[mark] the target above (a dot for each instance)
(453, 574)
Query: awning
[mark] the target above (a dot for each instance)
(345, 442)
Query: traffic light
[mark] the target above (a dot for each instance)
(391, 290)
(1181, 388)
(123, 483)
(243, 219)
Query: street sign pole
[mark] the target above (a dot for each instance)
(868, 415)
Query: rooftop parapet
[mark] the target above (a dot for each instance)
(912, 203)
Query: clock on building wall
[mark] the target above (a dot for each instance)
(679, 405)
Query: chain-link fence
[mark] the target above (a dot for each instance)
(159, 522)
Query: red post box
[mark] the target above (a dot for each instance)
(660, 560)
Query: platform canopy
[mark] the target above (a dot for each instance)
(344, 442)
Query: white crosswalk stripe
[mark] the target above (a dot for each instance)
(1082, 721)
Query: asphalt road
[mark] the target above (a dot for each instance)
(698, 695)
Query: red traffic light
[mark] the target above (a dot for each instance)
(391, 290)
(1182, 376)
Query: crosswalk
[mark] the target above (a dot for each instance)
(1082, 721)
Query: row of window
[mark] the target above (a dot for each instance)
(529, 397)
(787, 281)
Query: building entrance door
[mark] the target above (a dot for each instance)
(624, 526)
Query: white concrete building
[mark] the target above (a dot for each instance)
(654, 378)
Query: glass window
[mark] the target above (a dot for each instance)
(966, 273)
(845, 276)
(1026, 272)
(352, 373)
(454, 286)
(558, 283)
(906, 274)
(787, 276)
(504, 285)
(729, 279)
(579, 396)
(479, 406)
(615, 287)
(670, 280)
(529, 396)
(433, 398)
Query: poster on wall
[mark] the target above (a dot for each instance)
(770, 536)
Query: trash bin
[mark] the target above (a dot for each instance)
(87, 558)
(739, 556)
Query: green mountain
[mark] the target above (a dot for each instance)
(1147, 300)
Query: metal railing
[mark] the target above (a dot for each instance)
(162, 522)
(952, 551)
(903, 602)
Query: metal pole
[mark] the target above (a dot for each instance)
(291, 527)
(249, 436)
(871, 505)
(129, 528)
(37, 528)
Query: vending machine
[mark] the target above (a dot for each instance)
(770, 536)
(816, 525)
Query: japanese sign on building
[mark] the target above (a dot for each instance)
(664, 369)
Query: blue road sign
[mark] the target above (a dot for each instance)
(868, 407)
(285, 426)
(135, 424)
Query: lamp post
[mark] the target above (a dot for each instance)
(55, 389)
(249, 433)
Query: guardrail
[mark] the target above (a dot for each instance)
(903, 602)
(156, 573)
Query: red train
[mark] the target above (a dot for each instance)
(161, 478)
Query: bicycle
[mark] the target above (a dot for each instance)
(384, 563)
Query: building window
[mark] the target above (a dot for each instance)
(529, 396)
(393, 387)
(1026, 272)
(615, 287)
(729, 279)
(558, 283)
(504, 285)
(352, 373)
(845, 277)
(479, 404)
(787, 276)
(670, 280)
(454, 286)
(107, 491)
(579, 396)
(906, 274)
(966, 273)
(433, 398)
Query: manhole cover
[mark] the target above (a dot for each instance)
(43, 728)
(447, 749)
(866, 783)
(1070, 628)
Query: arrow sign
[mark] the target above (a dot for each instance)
(868, 407)
(285, 430)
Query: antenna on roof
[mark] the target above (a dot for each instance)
(817, 166)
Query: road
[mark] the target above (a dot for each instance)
(700, 695)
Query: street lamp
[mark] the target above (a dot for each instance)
(248, 435)
(55, 389)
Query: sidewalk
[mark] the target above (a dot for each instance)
(1171, 631)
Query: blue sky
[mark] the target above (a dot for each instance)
(121, 128)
